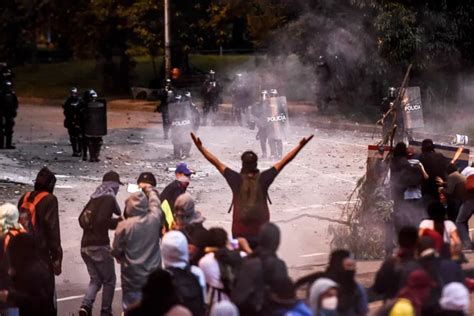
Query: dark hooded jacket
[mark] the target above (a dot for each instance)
(259, 275)
(47, 233)
(32, 290)
(269, 241)
(352, 297)
(274, 269)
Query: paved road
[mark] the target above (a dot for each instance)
(316, 184)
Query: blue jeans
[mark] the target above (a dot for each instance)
(100, 266)
(10, 311)
(465, 213)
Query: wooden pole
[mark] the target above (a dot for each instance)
(167, 40)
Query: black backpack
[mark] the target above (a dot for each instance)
(251, 198)
(248, 293)
(229, 262)
(411, 176)
(189, 290)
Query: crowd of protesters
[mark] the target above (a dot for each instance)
(171, 263)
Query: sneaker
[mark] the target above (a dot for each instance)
(85, 311)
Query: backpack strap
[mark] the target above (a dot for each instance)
(27, 197)
(40, 196)
(11, 233)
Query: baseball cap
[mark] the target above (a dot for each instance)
(147, 177)
(111, 176)
(182, 167)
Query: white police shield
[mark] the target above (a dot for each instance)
(412, 109)
(277, 118)
(181, 118)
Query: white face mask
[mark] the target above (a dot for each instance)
(329, 303)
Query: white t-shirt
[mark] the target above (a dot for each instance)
(212, 274)
(210, 267)
(449, 227)
(468, 171)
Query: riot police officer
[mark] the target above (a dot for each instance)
(387, 102)
(260, 118)
(275, 143)
(74, 121)
(322, 86)
(8, 112)
(241, 96)
(6, 74)
(389, 110)
(165, 96)
(211, 94)
(196, 117)
(95, 125)
(184, 120)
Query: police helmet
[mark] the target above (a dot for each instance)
(274, 92)
(168, 81)
(74, 91)
(8, 84)
(178, 97)
(93, 94)
(212, 72)
(391, 92)
(187, 94)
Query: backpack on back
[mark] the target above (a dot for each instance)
(411, 176)
(248, 293)
(251, 199)
(86, 219)
(229, 262)
(189, 289)
(27, 211)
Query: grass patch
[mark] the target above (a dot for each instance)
(54, 80)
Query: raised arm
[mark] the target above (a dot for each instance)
(208, 155)
(292, 154)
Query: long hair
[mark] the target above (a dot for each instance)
(437, 213)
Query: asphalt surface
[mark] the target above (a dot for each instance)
(307, 196)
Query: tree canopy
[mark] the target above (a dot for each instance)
(372, 37)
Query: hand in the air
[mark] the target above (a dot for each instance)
(305, 140)
(196, 140)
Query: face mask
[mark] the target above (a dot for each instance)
(329, 303)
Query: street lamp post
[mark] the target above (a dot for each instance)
(167, 40)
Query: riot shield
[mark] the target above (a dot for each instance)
(412, 109)
(181, 118)
(277, 117)
(96, 118)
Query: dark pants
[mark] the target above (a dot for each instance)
(75, 137)
(165, 116)
(6, 130)
(209, 106)
(262, 135)
(100, 266)
(462, 223)
(93, 144)
(276, 147)
(181, 149)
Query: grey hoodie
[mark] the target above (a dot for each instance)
(319, 287)
(137, 239)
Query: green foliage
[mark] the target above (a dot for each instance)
(426, 33)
